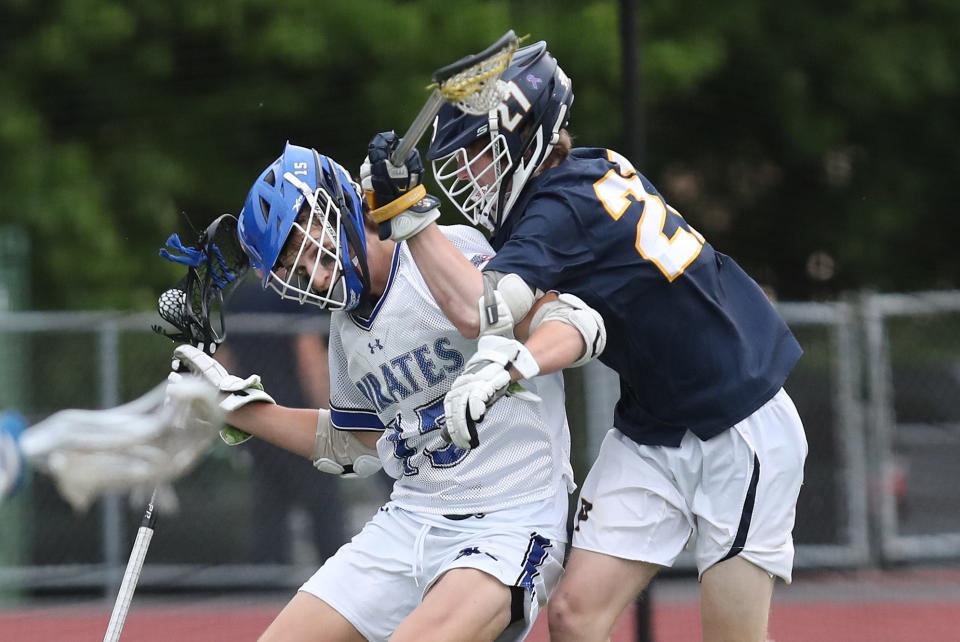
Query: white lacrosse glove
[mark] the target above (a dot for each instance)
(485, 378)
(398, 202)
(236, 392)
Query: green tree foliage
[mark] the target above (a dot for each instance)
(816, 126)
(779, 130)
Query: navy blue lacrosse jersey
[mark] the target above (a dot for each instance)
(697, 344)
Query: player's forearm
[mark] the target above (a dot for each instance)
(555, 345)
(293, 429)
(454, 282)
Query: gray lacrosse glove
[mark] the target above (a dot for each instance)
(485, 378)
(398, 202)
(236, 392)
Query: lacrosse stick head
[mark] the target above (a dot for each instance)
(151, 440)
(192, 311)
(473, 83)
(303, 222)
(482, 161)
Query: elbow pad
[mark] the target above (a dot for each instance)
(506, 300)
(574, 312)
(338, 452)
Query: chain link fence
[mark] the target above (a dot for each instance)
(247, 517)
(876, 390)
(913, 357)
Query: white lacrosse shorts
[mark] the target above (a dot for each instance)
(734, 494)
(383, 573)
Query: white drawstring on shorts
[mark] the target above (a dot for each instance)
(418, 547)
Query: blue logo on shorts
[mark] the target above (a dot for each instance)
(473, 550)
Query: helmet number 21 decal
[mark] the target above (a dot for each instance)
(508, 120)
(671, 254)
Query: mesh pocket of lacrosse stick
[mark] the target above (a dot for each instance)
(473, 83)
(192, 311)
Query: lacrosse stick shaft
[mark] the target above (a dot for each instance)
(417, 128)
(132, 574)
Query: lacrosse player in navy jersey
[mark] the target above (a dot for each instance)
(707, 449)
(471, 543)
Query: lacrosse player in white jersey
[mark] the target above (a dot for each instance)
(471, 543)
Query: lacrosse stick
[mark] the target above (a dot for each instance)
(191, 312)
(471, 83)
(132, 573)
(152, 440)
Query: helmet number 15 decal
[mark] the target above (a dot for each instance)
(671, 254)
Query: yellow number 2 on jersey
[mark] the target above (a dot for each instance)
(671, 254)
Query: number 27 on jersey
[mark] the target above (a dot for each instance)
(671, 254)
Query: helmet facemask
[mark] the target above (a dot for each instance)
(317, 237)
(473, 180)
(485, 194)
(302, 221)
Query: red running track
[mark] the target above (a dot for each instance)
(808, 621)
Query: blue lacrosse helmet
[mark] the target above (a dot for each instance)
(519, 134)
(304, 191)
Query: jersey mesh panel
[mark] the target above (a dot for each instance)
(402, 362)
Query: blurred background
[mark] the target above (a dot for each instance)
(815, 142)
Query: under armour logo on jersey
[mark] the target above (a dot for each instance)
(376, 345)
(585, 507)
(473, 550)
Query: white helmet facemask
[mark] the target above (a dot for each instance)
(476, 184)
(473, 182)
(319, 234)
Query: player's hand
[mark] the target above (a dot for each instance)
(485, 378)
(236, 392)
(398, 202)
(382, 179)
(466, 405)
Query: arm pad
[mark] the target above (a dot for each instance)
(573, 311)
(340, 453)
(506, 300)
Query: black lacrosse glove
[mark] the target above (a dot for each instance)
(386, 181)
(398, 202)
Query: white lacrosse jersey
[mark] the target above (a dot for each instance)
(391, 371)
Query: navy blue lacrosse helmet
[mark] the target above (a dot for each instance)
(484, 181)
(303, 217)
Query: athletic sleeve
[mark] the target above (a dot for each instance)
(349, 408)
(547, 245)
